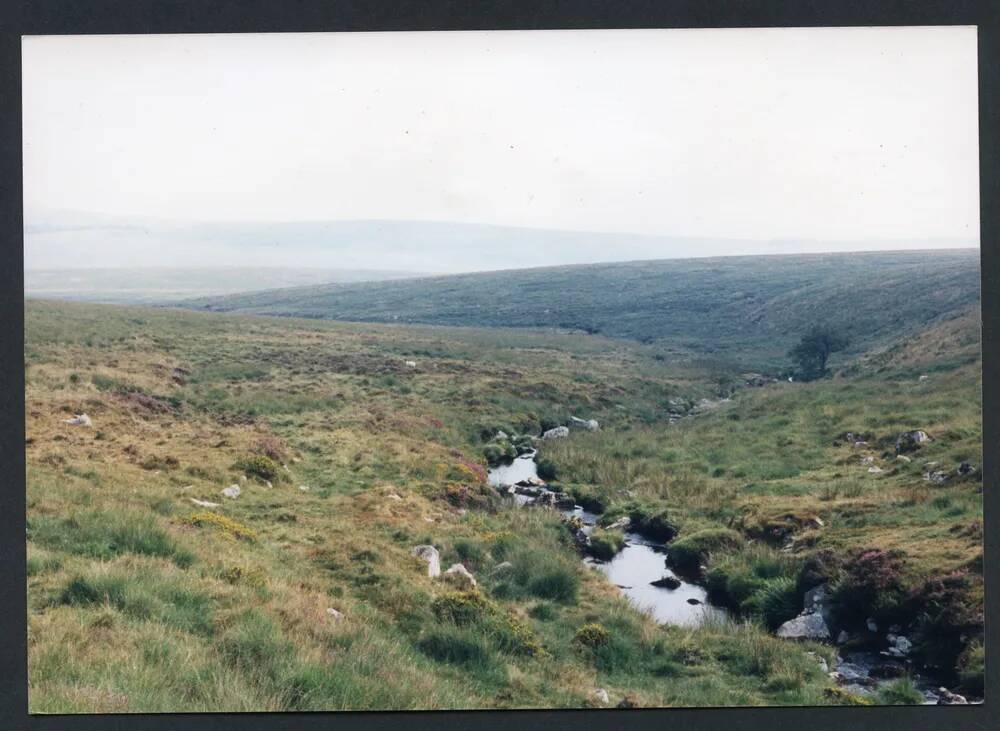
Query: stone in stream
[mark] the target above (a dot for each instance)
(667, 582)
(431, 556)
(694, 601)
(558, 432)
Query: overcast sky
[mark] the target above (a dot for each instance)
(818, 134)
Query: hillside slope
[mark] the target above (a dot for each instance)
(749, 309)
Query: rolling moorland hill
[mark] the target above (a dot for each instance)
(746, 309)
(151, 590)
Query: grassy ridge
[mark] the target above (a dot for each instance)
(749, 309)
(140, 600)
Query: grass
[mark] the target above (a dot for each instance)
(141, 601)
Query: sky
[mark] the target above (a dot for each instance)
(809, 136)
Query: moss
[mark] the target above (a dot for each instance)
(843, 697)
(656, 524)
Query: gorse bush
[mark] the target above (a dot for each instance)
(592, 635)
(262, 467)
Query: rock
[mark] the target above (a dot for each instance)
(268, 483)
(871, 625)
(585, 424)
(899, 646)
(667, 582)
(304, 488)
(243, 479)
(458, 574)
(629, 701)
(843, 637)
(867, 460)
(937, 477)
(923, 378)
(203, 503)
(875, 470)
(411, 364)
(431, 556)
(558, 432)
(503, 567)
(888, 671)
(79, 420)
(908, 441)
(232, 492)
(623, 524)
(501, 434)
(821, 661)
(599, 697)
(393, 496)
(337, 616)
(694, 602)
(814, 599)
(947, 698)
(809, 626)
(903, 458)
(966, 469)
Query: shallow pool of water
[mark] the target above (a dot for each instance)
(522, 468)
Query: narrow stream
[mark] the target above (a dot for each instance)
(642, 561)
(632, 569)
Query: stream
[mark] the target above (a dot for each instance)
(642, 561)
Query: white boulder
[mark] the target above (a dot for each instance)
(232, 492)
(79, 420)
(559, 432)
(431, 556)
(458, 574)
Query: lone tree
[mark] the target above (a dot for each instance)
(813, 351)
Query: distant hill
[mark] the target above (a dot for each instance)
(748, 309)
(158, 284)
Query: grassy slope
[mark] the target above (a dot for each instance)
(749, 309)
(135, 607)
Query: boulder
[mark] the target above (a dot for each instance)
(908, 441)
(79, 420)
(393, 496)
(558, 432)
(411, 364)
(843, 637)
(947, 698)
(694, 602)
(459, 575)
(899, 646)
(203, 503)
(585, 424)
(808, 626)
(335, 615)
(431, 556)
(966, 469)
(232, 492)
(667, 582)
(871, 625)
(875, 470)
(814, 599)
(304, 488)
(598, 697)
(936, 476)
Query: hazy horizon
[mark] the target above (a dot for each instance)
(443, 152)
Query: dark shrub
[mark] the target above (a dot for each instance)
(546, 468)
(654, 525)
(821, 567)
(871, 586)
(946, 618)
(687, 554)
